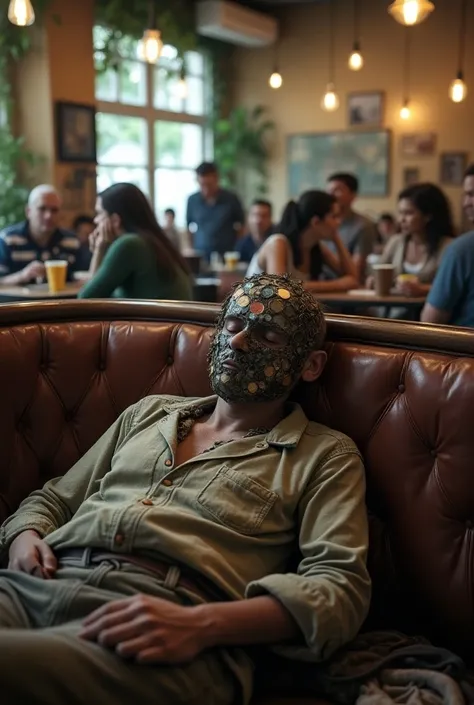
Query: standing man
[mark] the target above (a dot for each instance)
(26, 246)
(260, 227)
(451, 298)
(357, 232)
(171, 231)
(214, 215)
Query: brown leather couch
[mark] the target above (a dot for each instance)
(403, 392)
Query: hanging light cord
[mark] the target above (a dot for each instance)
(152, 15)
(356, 21)
(406, 78)
(332, 10)
(462, 35)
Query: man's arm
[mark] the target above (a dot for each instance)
(447, 290)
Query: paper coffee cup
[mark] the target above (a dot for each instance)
(383, 275)
(56, 272)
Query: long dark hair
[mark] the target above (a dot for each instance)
(431, 201)
(137, 217)
(297, 216)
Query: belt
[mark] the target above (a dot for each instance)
(195, 583)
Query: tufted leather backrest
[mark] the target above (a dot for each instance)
(403, 392)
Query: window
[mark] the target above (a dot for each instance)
(151, 130)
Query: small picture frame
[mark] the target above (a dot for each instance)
(366, 109)
(75, 132)
(452, 166)
(411, 175)
(419, 144)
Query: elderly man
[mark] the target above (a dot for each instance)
(25, 246)
(144, 572)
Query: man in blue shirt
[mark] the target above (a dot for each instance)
(25, 247)
(260, 227)
(214, 215)
(451, 298)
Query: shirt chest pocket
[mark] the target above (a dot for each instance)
(237, 501)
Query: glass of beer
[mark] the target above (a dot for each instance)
(56, 272)
(231, 260)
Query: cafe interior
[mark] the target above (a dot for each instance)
(154, 154)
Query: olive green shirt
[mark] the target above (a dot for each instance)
(130, 270)
(235, 514)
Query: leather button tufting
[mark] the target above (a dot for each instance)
(401, 388)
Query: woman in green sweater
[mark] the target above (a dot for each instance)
(132, 257)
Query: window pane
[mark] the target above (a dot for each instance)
(194, 63)
(106, 85)
(108, 175)
(195, 98)
(121, 140)
(172, 188)
(132, 83)
(178, 144)
(166, 91)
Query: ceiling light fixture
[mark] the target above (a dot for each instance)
(276, 79)
(410, 12)
(21, 13)
(458, 88)
(405, 112)
(151, 45)
(356, 60)
(330, 101)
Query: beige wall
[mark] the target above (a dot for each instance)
(304, 65)
(60, 66)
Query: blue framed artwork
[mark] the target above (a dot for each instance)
(312, 158)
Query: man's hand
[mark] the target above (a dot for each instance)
(410, 288)
(30, 554)
(148, 629)
(34, 270)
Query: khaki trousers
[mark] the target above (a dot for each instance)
(43, 661)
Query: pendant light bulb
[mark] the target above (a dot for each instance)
(405, 112)
(411, 12)
(151, 46)
(330, 101)
(275, 81)
(458, 89)
(356, 60)
(21, 13)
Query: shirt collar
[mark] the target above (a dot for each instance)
(55, 238)
(286, 434)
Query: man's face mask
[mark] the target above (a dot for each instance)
(269, 358)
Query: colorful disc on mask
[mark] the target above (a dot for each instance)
(243, 301)
(238, 293)
(287, 380)
(277, 306)
(252, 387)
(269, 371)
(284, 293)
(267, 292)
(257, 307)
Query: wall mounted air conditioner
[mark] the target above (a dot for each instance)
(230, 22)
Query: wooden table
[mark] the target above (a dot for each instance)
(38, 292)
(363, 299)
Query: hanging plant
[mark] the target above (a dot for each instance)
(124, 22)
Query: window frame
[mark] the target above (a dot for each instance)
(152, 115)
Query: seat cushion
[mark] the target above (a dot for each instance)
(289, 701)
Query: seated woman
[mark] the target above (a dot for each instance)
(132, 257)
(426, 230)
(299, 247)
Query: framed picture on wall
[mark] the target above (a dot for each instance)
(365, 109)
(452, 166)
(420, 144)
(313, 157)
(411, 175)
(75, 132)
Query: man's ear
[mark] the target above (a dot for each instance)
(314, 366)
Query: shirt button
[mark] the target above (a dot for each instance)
(147, 502)
(167, 483)
(119, 539)
(168, 463)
